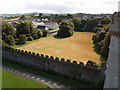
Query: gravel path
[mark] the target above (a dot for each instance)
(39, 79)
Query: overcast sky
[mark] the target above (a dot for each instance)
(58, 6)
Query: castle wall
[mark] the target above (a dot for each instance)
(89, 73)
(111, 80)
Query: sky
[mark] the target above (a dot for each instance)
(58, 6)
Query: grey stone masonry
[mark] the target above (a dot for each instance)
(112, 71)
(89, 73)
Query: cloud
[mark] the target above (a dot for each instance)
(51, 7)
(58, 6)
(111, 3)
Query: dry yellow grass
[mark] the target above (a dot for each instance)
(78, 47)
(10, 19)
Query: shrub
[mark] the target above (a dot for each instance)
(45, 33)
(30, 38)
(91, 62)
(22, 39)
(66, 29)
(10, 40)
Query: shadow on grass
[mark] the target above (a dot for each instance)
(57, 37)
(65, 80)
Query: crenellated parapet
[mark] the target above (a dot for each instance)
(88, 66)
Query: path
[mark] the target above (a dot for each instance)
(39, 79)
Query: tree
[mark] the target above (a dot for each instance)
(105, 21)
(40, 15)
(39, 33)
(22, 39)
(101, 35)
(10, 40)
(83, 24)
(96, 29)
(7, 29)
(26, 28)
(23, 17)
(91, 24)
(69, 16)
(101, 41)
(66, 29)
(35, 36)
(32, 28)
(45, 33)
(23, 28)
(105, 45)
(76, 22)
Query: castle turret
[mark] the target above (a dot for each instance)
(111, 80)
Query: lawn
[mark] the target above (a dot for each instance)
(10, 80)
(78, 47)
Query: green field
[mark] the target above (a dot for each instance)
(10, 80)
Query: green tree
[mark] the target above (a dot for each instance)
(105, 45)
(66, 29)
(35, 36)
(76, 22)
(40, 15)
(23, 28)
(7, 29)
(83, 24)
(22, 39)
(105, 21)
(26, 28)
(91, 24)
(10, 40)
(45, 33)
(23, 17)
(39, 33)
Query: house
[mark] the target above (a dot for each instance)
(42, 27)
(51, 25)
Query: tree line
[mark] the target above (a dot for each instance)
(24, 31)
(101, 39)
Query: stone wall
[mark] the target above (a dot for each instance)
(88, 72)
(112, 73)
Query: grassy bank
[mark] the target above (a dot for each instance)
(10, 80)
